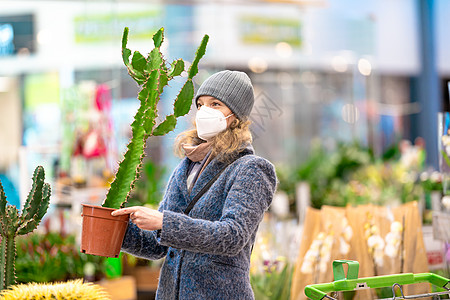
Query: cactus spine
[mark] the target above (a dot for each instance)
(152, 74)
(13, 224)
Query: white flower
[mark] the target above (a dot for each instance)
(328, 241)
(311, 255)
(327, 246)
(391, 251)
(393, 238)
(315, 245)
(307, 267)
(344, 248)
(348, 233)
(378, 257)
(424, 176)
(374, 230)
(265, 254)
(435, 176)
(409, 158)
(323, 266)
(446, 202)
(320, 236)
(396, 227)
(375, 242)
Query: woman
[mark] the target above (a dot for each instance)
(208, 249)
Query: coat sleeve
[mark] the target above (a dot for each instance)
(247, 200)
(144, 243)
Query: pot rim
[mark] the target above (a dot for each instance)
(98, 207)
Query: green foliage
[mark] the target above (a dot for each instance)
(325, 171)
(287, 183)
(273, 284)
(12, 224)
(351, 174)
(52, 257)
(152, 74)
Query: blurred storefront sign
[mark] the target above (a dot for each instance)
(16, 34)
(255, 29)
(100, 28)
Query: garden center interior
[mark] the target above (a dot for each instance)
(350, 102)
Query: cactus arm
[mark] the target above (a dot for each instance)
(177, 68)
(158, 38)
(137, 66)
(8, 247)
(3, 219)
(166, 126)
(138, 62)
(183, 101)
(27, 227)
(33, 223)
(128, 170)
(182, 106)
(46, 192)
(124, 42)
(2, 200)
(126, 53)
(9, 276)
(163, 81)
(2, 261)
(34, 197)
(155, 60)
(193, 69)
(149, 103)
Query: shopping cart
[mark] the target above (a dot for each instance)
(351, 282)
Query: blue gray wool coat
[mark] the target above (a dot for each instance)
(208, 251)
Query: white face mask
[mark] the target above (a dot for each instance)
(210, 122)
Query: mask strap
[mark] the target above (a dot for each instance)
(228, 116)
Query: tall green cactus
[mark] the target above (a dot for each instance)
(12, 224)
(153, 74)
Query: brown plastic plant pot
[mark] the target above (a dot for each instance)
(102, 234)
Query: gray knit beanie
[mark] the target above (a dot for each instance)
(233, 88)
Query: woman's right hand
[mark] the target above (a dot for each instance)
(145, 218)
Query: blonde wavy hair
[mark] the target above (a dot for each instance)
(225, 145)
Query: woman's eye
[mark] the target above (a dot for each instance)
(215, 104)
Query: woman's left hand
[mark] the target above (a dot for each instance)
(144, 217)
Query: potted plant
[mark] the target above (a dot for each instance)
(102, 234)
(12, 224)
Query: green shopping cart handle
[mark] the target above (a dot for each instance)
(319, 291)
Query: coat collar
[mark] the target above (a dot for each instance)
(211, 170)
(208, 173)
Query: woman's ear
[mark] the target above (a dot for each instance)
(234, 122)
